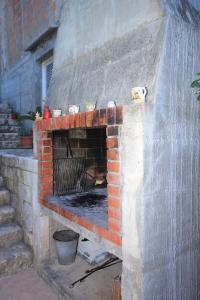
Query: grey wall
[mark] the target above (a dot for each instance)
(103, 49)
(160, 171)
(21, 24)
(21, 85)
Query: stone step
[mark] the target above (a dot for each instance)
(5, 108)
(14, 258)
(10, 136)
(10, 144)
(8, 121)
(10, 233)
(7, 128)
(3, 122)
(5, 115)
(1, 182)
(4, 195)
(7, 214)
(11, 122)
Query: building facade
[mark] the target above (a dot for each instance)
(27, 41)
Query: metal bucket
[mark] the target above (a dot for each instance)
(66, 242)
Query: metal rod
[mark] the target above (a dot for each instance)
(93, 271)
(102, 265)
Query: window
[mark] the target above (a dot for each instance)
(47, 67)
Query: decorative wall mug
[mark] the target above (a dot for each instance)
(139, 93)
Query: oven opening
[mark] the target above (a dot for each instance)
(80, 172)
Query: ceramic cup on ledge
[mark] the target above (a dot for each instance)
(73, 109)
(57, 113)
(90, 106)
(111, 104)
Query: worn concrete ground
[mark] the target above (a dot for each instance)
(25, 285)
(98, 286)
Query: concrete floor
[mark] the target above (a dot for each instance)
(25, 285)
(98, 286)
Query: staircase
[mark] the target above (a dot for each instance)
(14, 254)
(9, 129)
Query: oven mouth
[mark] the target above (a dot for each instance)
(92, 205)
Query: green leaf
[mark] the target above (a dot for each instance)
(198, 98)
(195, 84)
(198, 74)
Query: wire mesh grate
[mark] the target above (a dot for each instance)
(70, 176)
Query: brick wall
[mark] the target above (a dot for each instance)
(111, 119)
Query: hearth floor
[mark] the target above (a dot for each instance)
(95, 212)
(98, 286)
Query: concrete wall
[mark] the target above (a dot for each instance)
(111, 46)
(20, 173)
(20, 177)
(160, 208)
(160, 154)
(172, 170)
(132, 176)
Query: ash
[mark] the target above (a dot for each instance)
(91, 205)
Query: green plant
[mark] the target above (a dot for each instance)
(30, 115)
(196, 84)
(21, 119)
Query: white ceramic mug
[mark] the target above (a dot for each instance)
(57, 113)
(111, 103)
(73, 109)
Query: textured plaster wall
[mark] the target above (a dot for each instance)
(160, 157)
(172, 170)
(160, 143)
(103, 49)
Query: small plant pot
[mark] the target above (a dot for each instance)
(66, 242)
(27, 142)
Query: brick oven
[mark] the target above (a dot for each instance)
(93, 138)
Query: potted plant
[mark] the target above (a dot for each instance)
(26, 138)
(27, 133)
(13, 115)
